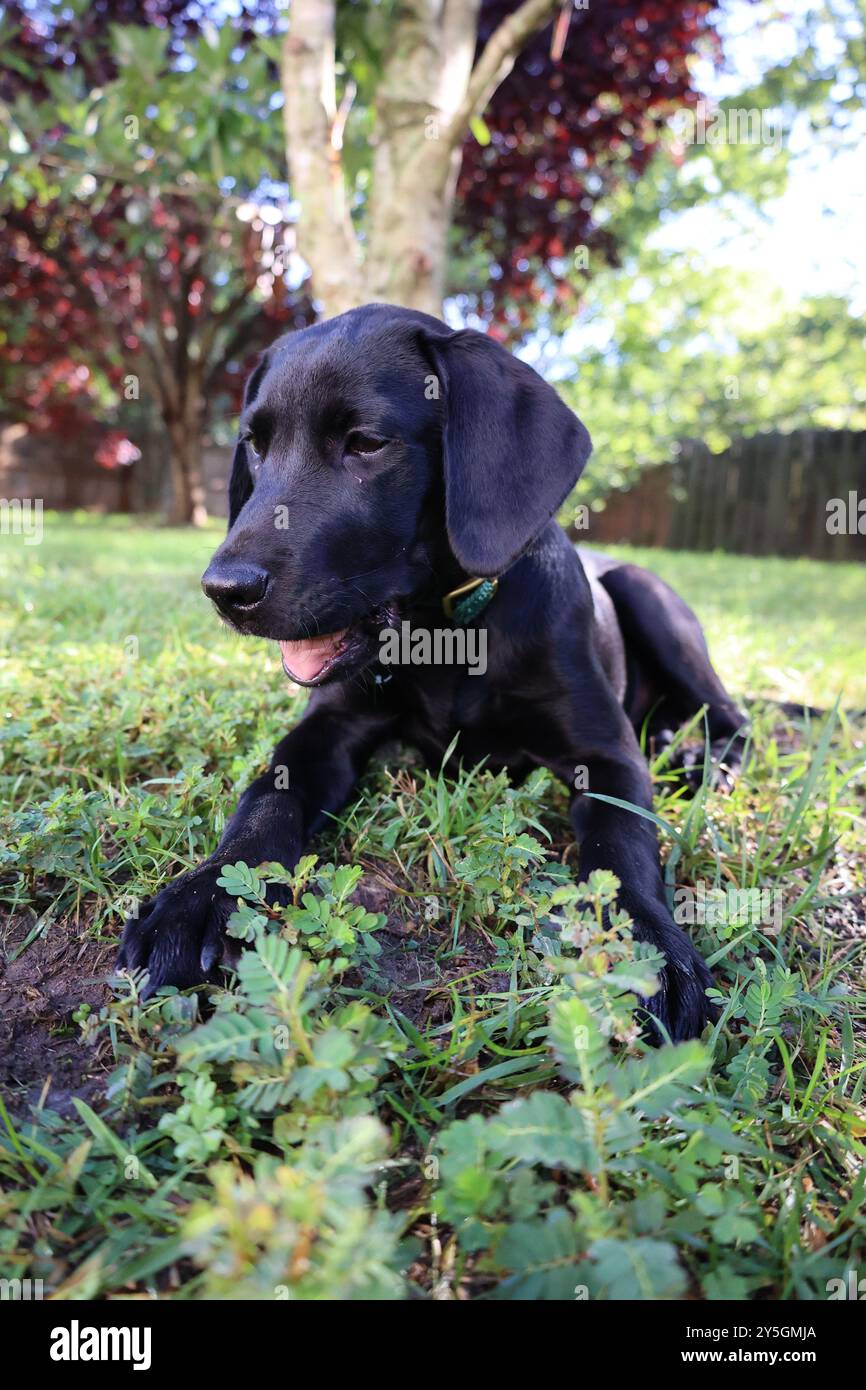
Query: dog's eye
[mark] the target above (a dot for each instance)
(364, 444)
(257, 445)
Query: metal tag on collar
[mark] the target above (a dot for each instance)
(464, 604)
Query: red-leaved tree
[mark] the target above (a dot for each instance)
(148, 239)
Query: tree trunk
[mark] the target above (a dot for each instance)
(416, 158)
(189, 494)
(310, 116)
(427, 96)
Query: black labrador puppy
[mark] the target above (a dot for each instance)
(385, 462)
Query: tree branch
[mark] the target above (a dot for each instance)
(497, 60)
(236, 335)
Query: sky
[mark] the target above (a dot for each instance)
(813, 239)
(810, 241)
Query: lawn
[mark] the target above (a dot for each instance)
(425, 1079)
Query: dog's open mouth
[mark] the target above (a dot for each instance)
(313, 660)
(310, 658)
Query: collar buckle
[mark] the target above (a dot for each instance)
(465, 603)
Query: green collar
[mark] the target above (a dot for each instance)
(465, 604)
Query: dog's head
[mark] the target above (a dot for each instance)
(381, 457)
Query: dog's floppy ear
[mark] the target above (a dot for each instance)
(512, 450)
(241, 479)
(240, 482)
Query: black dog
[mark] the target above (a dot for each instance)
(384, 462)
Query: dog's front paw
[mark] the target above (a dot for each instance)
(680, 1005)
(178, 936)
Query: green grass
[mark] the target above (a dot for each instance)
(425, 1079)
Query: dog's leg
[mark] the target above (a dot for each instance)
(178, 936)
(606, 751)
(668, 641)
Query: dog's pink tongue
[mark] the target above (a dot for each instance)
(303, 660)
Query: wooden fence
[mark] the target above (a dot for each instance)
(767, 495)
(63, 473)
(771, 494)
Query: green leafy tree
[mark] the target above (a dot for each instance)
(147, 251)
(679, 349)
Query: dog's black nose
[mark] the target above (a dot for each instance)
(233, 585)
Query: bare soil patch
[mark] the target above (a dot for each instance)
(41, 986)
